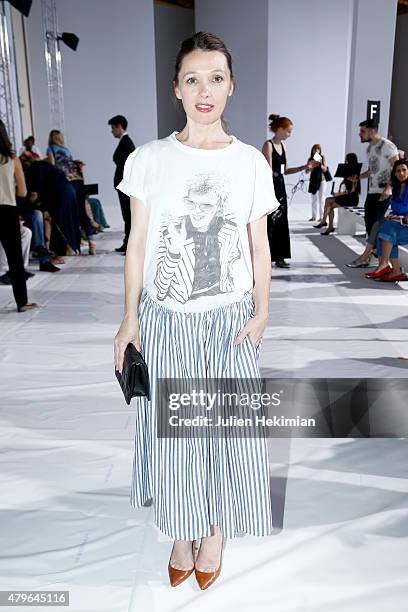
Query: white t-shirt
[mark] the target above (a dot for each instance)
(200, 201)
(378, 157)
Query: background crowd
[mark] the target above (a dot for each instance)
(47, 212)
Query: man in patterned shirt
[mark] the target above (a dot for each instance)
(381, 155)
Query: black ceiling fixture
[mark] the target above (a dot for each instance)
(68, 38)
(23, 6)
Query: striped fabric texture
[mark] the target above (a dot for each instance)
(195, 482)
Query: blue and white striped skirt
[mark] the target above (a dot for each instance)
(197, 482)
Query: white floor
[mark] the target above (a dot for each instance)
(340, 506)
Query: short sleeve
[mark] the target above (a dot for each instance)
(133, 182)
(391, 150)
(264, 200)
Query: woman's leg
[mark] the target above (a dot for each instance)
(314, 207)
(385, 248)
(26, 235)
(331, 216)
(209, 557)
(47, 228)
(10, 238)
(321, 198)
(327, 208)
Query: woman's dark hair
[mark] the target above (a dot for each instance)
(204, 41)
(351, 158)
(396, 184)
(276, 122)
(6, 151)
(313, 151)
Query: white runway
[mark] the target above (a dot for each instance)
(340, 506)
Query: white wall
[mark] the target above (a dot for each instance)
(172, 25)
(371, 65)
(243, 27)
(308, 74)
(112, 72)
(399, 97)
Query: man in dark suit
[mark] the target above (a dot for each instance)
(125, 146)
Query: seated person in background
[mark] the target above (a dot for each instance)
(61, 157)
(98, 213)
(367, 258)
(347, 195)
(40, 223)
(29, 153)
(394, 230)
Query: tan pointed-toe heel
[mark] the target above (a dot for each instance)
(177, 576)
(206, 579)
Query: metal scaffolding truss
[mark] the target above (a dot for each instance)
(6, 105)
(53, 64)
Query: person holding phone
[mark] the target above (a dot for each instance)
(394, 230)
(317, 182)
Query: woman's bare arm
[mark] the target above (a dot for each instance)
(20, 180)
(134, 263)
(261, 266)
(267, 152)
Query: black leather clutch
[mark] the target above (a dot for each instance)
(134, 380)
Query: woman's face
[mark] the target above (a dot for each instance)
(204, 84)
(402, 173)
(284, 133)
(317, 150)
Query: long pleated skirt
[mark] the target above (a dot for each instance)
(197, 482)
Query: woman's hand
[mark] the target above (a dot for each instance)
(254, 328)
(128, 332)
(387, 193)
(311, 164)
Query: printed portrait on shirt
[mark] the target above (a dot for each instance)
(199, 247)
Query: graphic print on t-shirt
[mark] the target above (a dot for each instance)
(199, 247)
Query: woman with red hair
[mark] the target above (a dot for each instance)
(274, 151)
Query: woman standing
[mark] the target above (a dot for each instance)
(60, 156)
(12, 180)
(197, 274)
(274, 151)
(317, 182)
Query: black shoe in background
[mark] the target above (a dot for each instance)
(41, 251)
(28, 274)
(28, 306)
(121, 249)
(281, 263)
(47, 266)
